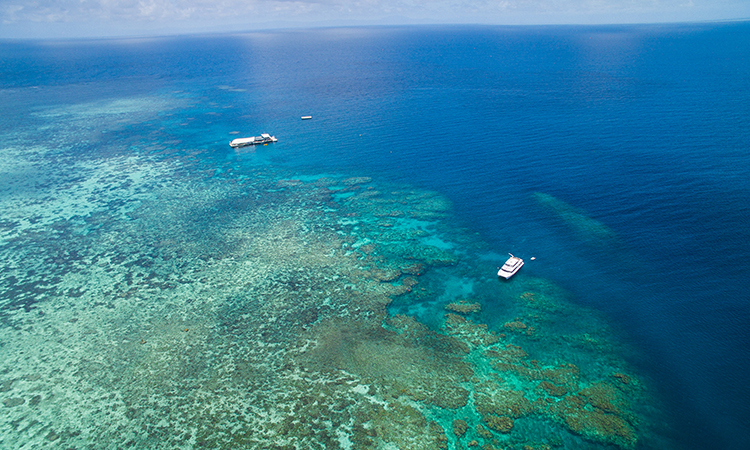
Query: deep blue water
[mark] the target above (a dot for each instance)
(644, 129)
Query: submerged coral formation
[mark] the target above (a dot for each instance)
(463, 307)
(578, 221)
(167, 301)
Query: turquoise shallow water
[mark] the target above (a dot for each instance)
(337, 289)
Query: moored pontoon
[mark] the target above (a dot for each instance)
(264, 138)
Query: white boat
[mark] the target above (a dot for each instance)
(264, 138)
(510, 267)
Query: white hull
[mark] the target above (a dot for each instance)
(510, 267)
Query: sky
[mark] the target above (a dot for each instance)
(24, 19)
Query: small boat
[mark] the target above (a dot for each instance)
(510, 267)
(264, 138)
(306, 117)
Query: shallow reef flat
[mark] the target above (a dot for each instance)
(151, 301)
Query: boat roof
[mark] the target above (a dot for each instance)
(250, 139)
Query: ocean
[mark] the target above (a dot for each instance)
(338, 288)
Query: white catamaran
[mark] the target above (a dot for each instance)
(510, 267)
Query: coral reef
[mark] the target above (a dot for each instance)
(492, 398)
(459, 427)
(463, 307)
(168, 298)
(578, 221)
(582, 417)
(519, 327)
(501, 424)
(475, 335)
(405, 427)
(398, 363)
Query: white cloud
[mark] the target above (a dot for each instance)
(216, 15)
